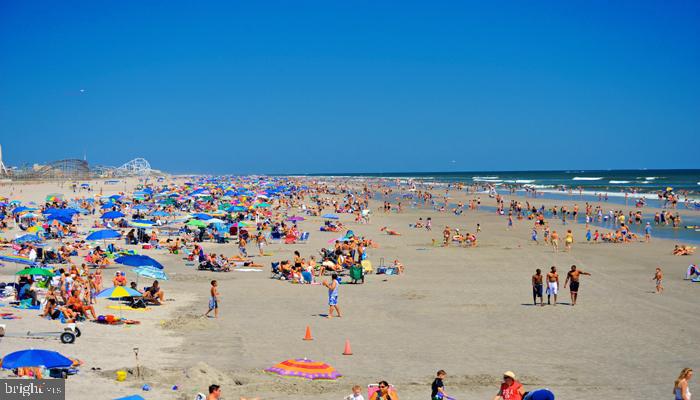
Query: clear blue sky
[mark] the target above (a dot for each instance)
(352, 86)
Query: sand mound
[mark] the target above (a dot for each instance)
(186, 322)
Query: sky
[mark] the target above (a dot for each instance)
(306, 87)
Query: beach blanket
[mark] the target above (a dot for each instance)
(247, 269)
(9, 316)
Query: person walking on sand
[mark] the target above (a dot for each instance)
(573, 276)
(332, 295)
(438, 387)
(537, 281)
(554, 239)
(213, 299)
(658, 277)
(680, 386)
(552, 284)
(569, 240)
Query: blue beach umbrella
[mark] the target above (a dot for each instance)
(138, 261)
(151, 272)
(112, 215)
(330, 216)
(160, 213)
(103, 234)
(27, 239)
(35, 358)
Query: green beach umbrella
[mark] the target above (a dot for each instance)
(35, 271)
(197, 223)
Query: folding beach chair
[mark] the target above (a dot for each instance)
(304, 237)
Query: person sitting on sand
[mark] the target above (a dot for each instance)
(154, 294)
(53, 311)
(683, 250)
(76, 304)
(385, 392)
(119, 279)
(398, 266)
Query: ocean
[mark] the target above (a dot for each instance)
(648, 181)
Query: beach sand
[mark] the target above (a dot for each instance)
(466, 310)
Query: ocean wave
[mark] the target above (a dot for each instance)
(618, 182)
(587, 178)
(481, 178)
(524, 180)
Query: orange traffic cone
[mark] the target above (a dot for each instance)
(348, 350)
(308, 333)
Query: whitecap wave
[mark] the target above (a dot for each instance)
(587, 178)
(524, 180)
(618, 182)
(481, 178)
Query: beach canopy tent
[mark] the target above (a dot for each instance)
(305, 368)
(35, 358)
(138, 261)
(103, 235)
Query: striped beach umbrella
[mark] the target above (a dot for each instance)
(305, 368)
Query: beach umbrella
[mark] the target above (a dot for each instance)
(263, 205)
(197, 223)
(22, 209)
(295, 219)
(29, 215)
(35, 271)
(160, 213)
(330, 216)
(18, 260)
(236, 209)
(214, 221)
(54, 197)
(150, 272)
(35, 358)
(304, 368)
(118, 292)
(27, 239)
(35, 229)
(112, 215)
(132, 397)
(107, 205)
(201, 216)
(138, 261)
(103, 235)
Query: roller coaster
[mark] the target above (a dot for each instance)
(75, 169)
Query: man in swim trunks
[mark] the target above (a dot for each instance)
(537, 287)
(213, 300)
(573, 276)
(552, 284)
(333, 295)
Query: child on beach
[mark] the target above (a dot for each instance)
(438, 387)
(658, 277)
(213, 300)
(356, 394)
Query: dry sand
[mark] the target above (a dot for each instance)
(467, 311)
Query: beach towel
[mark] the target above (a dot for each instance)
(247, 269)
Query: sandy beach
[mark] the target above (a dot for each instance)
(465, 310)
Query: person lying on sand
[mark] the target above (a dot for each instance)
(389, 231)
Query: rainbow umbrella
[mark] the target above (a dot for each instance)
(305, 368)
(118, 292)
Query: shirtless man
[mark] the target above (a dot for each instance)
(658, 277)
(574, 276)
(537, 287)
(446, 236)
(554, 239)
(552, 284)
